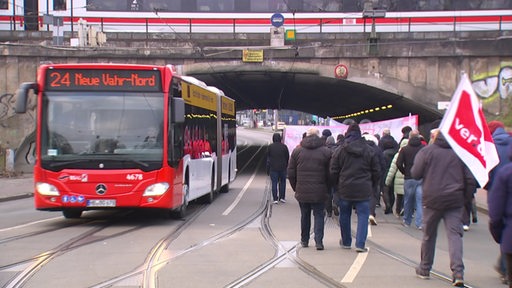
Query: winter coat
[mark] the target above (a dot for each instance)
(388, 154)
(499, 200)
(277, 154)
(406, 156)
(394, 175)
(502, 140)
(447, 182)
(308, 170)
(380, 156)
(355, 169)
(388, 142)
(331, 143)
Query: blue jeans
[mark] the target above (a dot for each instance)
(412, 201)
(363, 212)
(305, 221)
(278, 177)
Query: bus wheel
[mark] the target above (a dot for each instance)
(208, 198)
(225, 188)
(181, 211)
(72, 213)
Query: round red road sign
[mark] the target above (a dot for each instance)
(341, 71)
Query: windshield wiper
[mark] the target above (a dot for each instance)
(143, 164)
(65, 163)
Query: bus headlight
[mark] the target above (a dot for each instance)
(46, 189)
(156, 189)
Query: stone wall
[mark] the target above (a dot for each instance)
(426, 71)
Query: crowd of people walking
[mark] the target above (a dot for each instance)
(420, 182)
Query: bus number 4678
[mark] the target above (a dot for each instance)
(134, 177)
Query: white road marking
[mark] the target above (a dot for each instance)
(28, 224)
(356, 267)
(239, 196)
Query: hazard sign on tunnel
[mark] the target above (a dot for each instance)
(341, 71)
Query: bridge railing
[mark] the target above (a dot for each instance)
(262, 25)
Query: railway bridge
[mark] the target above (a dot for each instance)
(327, 74)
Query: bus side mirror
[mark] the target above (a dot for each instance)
(178, 110)
(22, 96)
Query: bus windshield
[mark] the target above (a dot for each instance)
(114, 126)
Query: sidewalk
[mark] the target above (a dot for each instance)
(16, 187)
(22, 187)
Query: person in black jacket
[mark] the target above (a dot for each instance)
(355, 169)
(447, 183)
(308, 173)
(277, 162)
(329, 206)
(412, 187)
(389, 148)
(375, 199)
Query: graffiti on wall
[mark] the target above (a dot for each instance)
(6, 106)
(494, 86)
(12, 127)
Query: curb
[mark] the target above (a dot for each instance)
(16, 197)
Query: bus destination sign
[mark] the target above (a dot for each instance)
(104, 80)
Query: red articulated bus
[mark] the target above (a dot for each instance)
(113, 136)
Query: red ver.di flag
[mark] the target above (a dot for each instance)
(465, 129)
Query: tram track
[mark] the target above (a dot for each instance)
(34, 264)
(290, 254)
(411, 263)
(146, 273)
(41, 232)
(146, 269)
(149, 269)
(281, 253)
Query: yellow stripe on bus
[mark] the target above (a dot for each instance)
(228, 106)
(199, 97)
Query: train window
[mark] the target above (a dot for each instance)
(215, 5)
(59, 5)
(315, 5)
(4, 4)
(272, 6)
(242, 6)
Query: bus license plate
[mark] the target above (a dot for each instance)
(101, 203)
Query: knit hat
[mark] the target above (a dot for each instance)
(312, 131)
(330, 140)
(326, 133)
(406, 130)
(493, 125)
(354, 127)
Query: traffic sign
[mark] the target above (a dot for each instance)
(341, 71)
(277, 20)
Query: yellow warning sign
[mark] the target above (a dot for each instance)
(252, 55)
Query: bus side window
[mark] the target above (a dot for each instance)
(176, 144)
